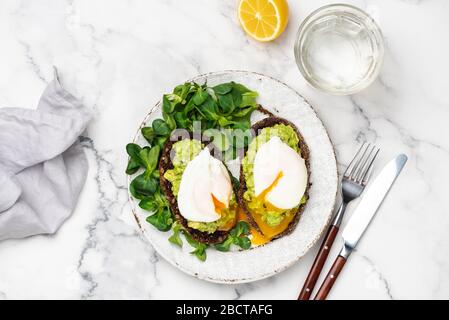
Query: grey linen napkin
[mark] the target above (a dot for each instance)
(42, 165)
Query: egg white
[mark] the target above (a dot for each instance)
(273, 158)
(203, 177)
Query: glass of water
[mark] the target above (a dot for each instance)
(339, 49)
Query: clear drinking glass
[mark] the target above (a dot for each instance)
(339, 49)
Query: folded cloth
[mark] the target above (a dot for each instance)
(42, 165)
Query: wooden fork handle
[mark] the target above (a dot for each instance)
(318, 264)
(330, 278)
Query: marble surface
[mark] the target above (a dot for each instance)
(120, 56)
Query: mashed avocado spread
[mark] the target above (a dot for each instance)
(257, 206)
(184, 151)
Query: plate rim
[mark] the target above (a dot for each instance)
(268, 274)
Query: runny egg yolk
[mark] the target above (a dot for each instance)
(262, 196)
(219, 206)
(268, 231)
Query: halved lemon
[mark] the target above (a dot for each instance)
(264, 20)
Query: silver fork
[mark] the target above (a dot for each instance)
(353, 183)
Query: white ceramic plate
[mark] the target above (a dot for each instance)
(276, 256)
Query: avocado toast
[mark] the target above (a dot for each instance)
(177, 153)
(281, 221)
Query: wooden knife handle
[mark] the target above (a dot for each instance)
(318, 264)
(330, 278)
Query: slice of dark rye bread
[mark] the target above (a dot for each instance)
(305, 154)
(165, 164)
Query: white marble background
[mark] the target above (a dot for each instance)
(120, 56)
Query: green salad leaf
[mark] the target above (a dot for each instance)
(134, 162)
(226, 103)
(200, 96)
(143, 186)
(200, 248)
(222, 105)
(149, 157)
(162, 219)
(148, 134)
(160, 127)
(237, 236)
(175, 238)
(223, 88)
(149, 204)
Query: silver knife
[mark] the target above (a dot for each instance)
(362, 216)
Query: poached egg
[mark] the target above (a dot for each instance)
(205, 188)
(280, 175)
